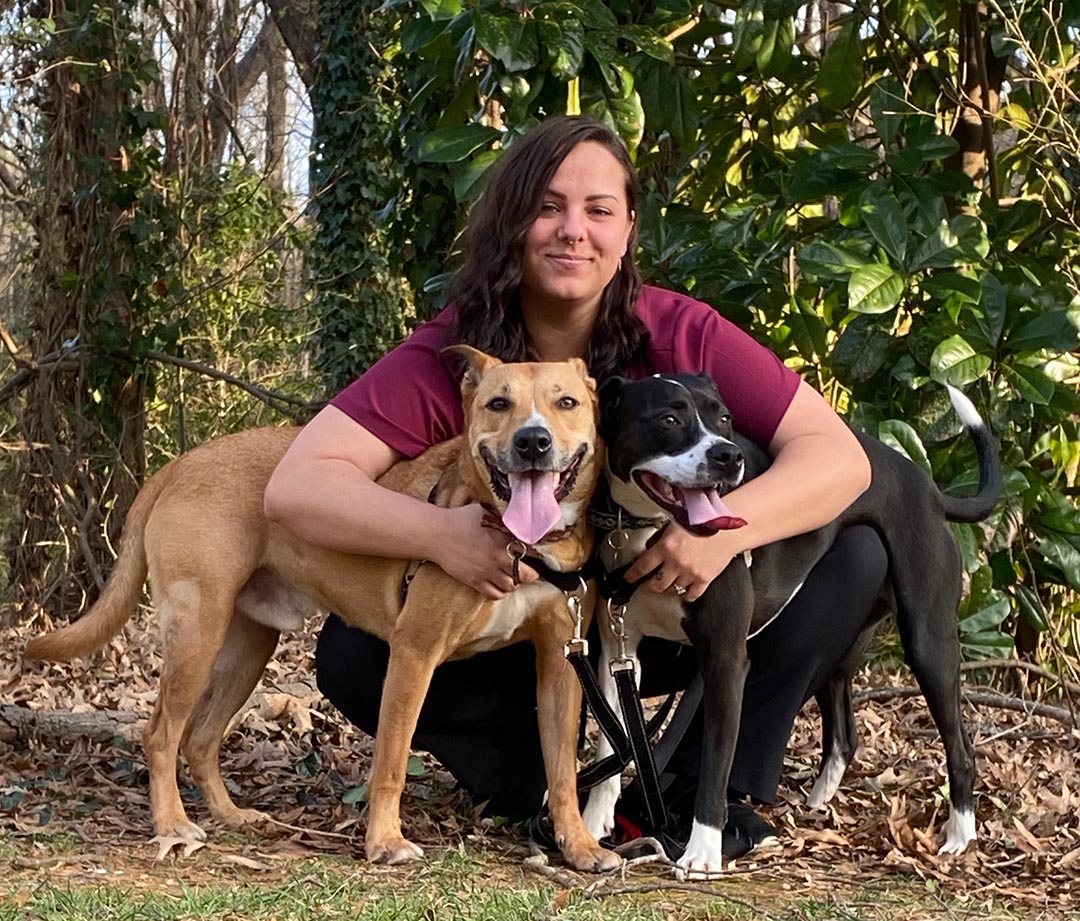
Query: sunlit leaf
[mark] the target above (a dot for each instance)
(874, 288)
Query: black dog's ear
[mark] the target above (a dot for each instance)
(610, 398)
(708, 382)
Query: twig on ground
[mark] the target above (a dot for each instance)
(979, 699)
(538, 863)
(596, 891)
(658, 855)
(310, 831)
(1021, 665)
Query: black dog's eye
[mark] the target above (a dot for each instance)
(669, 420)
(725, 419)
(568, 403)
(498, 404)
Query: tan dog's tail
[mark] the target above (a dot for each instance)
(119, 597)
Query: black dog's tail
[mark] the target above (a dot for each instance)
(991, 486)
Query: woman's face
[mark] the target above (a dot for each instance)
(573, 248)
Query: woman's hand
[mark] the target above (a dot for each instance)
(686, 561)
(476, 554)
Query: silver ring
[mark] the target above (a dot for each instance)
(679, 590)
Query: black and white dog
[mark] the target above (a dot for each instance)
(671, 452)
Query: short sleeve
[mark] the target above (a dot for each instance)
(410, 398)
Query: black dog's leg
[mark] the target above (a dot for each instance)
(927, 624)
(717, 625)
(839, 734)
(839, 738)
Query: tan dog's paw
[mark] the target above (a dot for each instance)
(392, 852)
(592, 858)
(181, 828)
(240, 818)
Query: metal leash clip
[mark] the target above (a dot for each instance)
(617, 618)
(577, 642)
(516, 550)
(617, 539)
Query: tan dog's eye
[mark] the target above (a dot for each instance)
(568, 403)
(498, 404)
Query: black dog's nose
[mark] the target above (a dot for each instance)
(725, 457)
(532, 443)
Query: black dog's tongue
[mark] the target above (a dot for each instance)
(705, 507)
(533, 509)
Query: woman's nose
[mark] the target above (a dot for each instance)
(573, 226)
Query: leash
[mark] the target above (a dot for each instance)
(633, 742)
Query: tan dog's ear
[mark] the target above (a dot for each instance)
(476, 364)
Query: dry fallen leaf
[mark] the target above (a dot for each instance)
(245, 862)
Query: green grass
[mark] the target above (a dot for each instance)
(450, 887)
(62, 882)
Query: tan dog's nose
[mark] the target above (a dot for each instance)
(533, 443)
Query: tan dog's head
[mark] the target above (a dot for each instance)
(531, 431)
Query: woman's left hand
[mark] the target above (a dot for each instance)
(686, 561)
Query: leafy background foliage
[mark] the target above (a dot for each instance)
(804, 178)
(883, 193)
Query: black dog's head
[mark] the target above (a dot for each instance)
(670, 436)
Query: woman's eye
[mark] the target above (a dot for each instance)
(498, 404)
(568, 403)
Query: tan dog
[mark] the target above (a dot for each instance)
(225, 581)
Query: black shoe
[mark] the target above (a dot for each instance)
(746, 831)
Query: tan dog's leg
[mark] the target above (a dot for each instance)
(408, 677)
(558, 697)
(194, 621)
(243, 657)
(437, 613)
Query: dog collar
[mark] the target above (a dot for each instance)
(621, 520)
(605, 514)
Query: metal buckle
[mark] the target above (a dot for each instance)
(577, 642)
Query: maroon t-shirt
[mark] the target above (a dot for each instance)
(410, 398)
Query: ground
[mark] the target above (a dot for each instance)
(77, 834)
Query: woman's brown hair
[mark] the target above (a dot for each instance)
(484, 289)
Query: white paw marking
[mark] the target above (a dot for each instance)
(599, 812)
(703, 856)
(959, 831)
(828, 781)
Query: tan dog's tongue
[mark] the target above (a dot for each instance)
(704, 505)
(533, 509)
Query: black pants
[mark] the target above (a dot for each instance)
(479, 717)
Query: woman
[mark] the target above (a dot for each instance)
(549, 274)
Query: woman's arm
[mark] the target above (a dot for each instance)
(818, 469)
(324, 491)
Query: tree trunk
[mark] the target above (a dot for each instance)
(296, 20)
(82, 415)
(981, 76)
(277, 112)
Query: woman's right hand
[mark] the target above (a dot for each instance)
(476, 554)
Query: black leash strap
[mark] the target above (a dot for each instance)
(605, 717)
(648, 775)
(563, 581)
(599, 771)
